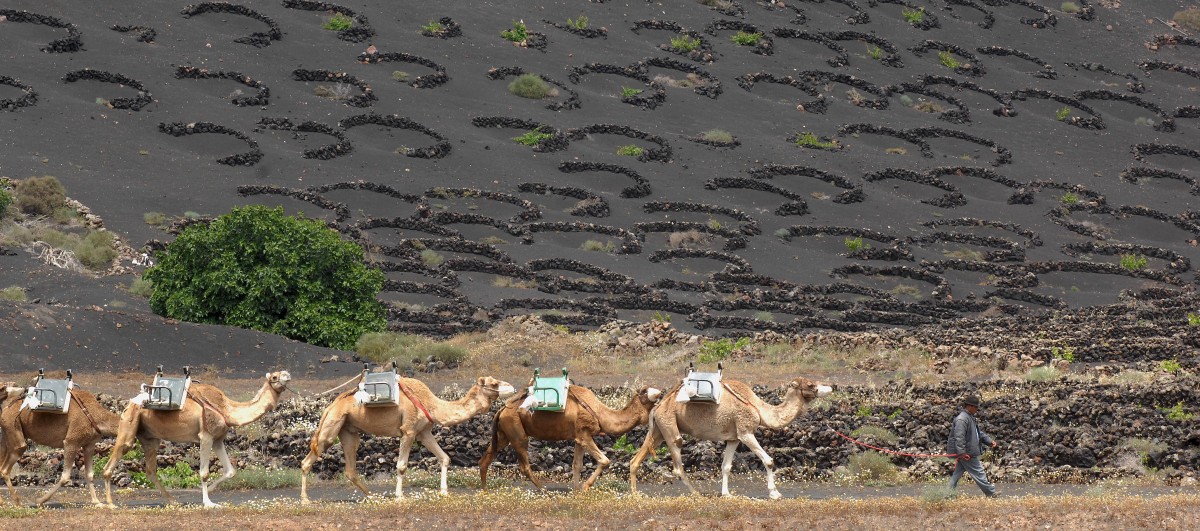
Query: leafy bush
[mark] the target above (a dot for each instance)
(1062, 114)
(580, 23)
(1130, 262)
(6, 199)
(530, 86)
(400, 75)
(913, 16)
(155, 219)
(1064, 353)
(433, 27)
(180, 476)
(856, 244)
(1069, 7)
(717, 135)
(518, 33)
(13, 294)
(662, 317)
(863, 411)
(1193, 319)
(713, 351)
(630, 151)
(684, 43)
(872, 466)
(629, 92)
(810, 140)
(432, 258)
(1188, 18)
(338, 22)
(1177, 412)
(593, 245)
(40, 196)
(876, 432)
(947, 60)
(1043, 374)
(95, 250)
(875, 52)
(745, 38)
(257, 268)
(1069, 198)
(382, 347)
(532, 138)
(141, 287)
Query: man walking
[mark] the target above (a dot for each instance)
(967, 440)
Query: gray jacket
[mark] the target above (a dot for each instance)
(966, 437)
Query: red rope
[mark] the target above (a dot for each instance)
(414, 400)
(893, 452)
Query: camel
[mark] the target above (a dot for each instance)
(583, 418)
(733, 421)
(205, 418)
(418, 410)
(76, 431)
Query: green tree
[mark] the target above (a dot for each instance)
(257, 268)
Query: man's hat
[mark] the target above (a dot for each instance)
(972, 400)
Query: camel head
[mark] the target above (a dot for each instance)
(494, 387)
(808, 389)
(8, 389)
(649, 396)
(278, 380)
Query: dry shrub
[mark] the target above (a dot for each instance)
(1188, 18)
(510, 282)
(41, 196)
(683, 238)
(13, 294)
(872, 467)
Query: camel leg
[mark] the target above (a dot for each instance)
(521, 446)
(501, 441)
(12, 452)
(350, 440)
(406, 443)
(70, 450)
(123, 443)
(576, 466)
(727, 465)
(431, 443)
(648, 446)
(674, 446)
(321, 441)
(89, 454)
(206, 446)
(227, 467)
(768, 463)
(602, 460)
(150, 448)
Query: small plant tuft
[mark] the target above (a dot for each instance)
(717, 135)
(872, 467)
(947, 60)
(598, 246)
(913, 16)
(13, 294)
(1131, 262)
(874, 52)
(580, 23)
(629, 92)
(745, 38)
(717, 350)
(1069, 7)
(1178, 413)
(856, 244)
(338, 22)
(662, 317)
(1188, 18)
(810, 140)
(684, 43)
(1069, 198)
(1193, 319)
(876, 432)
(1064, 353)
(141, 287)
(400, 75)
(155, 219)
(519, 33)
(1062, 114)
(532, 138)
(630, 151)
(433, 27)
(530, 86)
(1171, 366)
(431, 258)
(1043, 374)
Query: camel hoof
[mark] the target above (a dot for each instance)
(211, 505)
(775, 495)
(305, 501)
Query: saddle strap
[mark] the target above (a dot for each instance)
(86, 413)
(735, 395)
(206, 405)
(582, 403)
(413, 399)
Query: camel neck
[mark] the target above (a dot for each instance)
(619, 421)
(450, 413)
(783, 414)
(242, 413)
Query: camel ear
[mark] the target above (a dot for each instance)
(482, 381)
(268, 376)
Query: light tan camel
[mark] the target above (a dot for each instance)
(733, 421)
(346, 420)
(584, 418)
(205, 418)
(77, 430)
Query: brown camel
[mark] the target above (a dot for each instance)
(733, 421)
(205, 418)
(346, 420)
(583, 418)
(78, 430)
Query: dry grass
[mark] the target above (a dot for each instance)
(518, 509)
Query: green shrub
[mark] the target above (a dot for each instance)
(630, 151)
(518, 33)
(6, 199)
(95, 251)
(532, 138)
(180, 476)
(875, 52)
(451, 355)
(713, 351)
(530, 86)
(141, 287)
(382, 347)
(257, 268)
(937, 493)
(594, 245)
(745, 38)
(338, 22)
(155, 219)
(764, 316)
(1188, 18)
(400, 75)
(65, 215)
(255, 478)
(1177, 412)
(1043, 374)
(947, 60)
(1130, 262)
(1144, 446)
(434, 27)
(1193, 319)
(493, 240)
(629, 92)
(863, 411)
(856, 244)
(1069, 7)
(40, 196)
(1062, 114)
(580, 23)
(810, 140)
(872, 466)
(432, 258)
(662, 317)
(9, 511)
(913, 16)
(1065, 353)
(717, 135)
(1069, 198)
(876, 432)
(13, 294)
(684, 43)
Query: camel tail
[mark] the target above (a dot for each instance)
(496, 429)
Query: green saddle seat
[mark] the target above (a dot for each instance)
(550, 392)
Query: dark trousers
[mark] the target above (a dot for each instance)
(973, 467)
